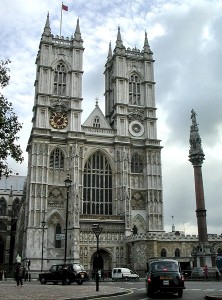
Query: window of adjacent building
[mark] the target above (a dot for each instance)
(136, 164)
(58, 230)
(97, 191)
(177, 252)
(15, 208)
(56, 160)
(60, 75)
(134, 90)
(163, 253)
(219, 251)
(3, 206)
(96, 122)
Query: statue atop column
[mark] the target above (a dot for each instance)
(196, 155)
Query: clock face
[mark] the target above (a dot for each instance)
(136, 128)
(58, 120)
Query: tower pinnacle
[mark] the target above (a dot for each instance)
(47, 29)
(119, 49)
(109, 52)
(77, 35)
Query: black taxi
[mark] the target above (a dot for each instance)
(64, 273)
(164, 276)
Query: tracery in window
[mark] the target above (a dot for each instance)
(60, 75)
(134, 90)
(58, 230)
(56, 160)
(97, 191)
(3, 206)
(96, 122)
(136, 164)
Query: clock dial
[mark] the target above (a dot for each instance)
(58, 120)
(136, 128)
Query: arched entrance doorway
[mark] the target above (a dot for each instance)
(103, 262)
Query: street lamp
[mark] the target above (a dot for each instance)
(67, 185)
(97, 230)
(43, 231)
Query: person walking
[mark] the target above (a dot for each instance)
(206, 271)
(19, 274)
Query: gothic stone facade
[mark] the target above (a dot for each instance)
(113, 160)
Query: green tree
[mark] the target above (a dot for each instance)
(9, 126)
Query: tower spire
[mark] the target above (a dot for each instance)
(109, 52)
(146, 47)
(77, 34)
(47, 29)
(119, 49)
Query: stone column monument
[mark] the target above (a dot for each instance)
(203, 254)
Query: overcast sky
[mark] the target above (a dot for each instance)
(185, 37)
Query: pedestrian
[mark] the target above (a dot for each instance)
(206, 271)
(19, 274)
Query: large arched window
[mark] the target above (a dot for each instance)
(136, 164)
(3, 206)
(60, 75)
(56, 160)
(134, 90)
(97, 193)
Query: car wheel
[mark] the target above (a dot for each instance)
(79, 282)
(42, 280)
(180, 294)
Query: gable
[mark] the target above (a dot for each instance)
(97, 119)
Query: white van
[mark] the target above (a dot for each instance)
(124, 274)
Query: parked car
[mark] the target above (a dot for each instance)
(65, 273)
(124, 274)
(164, 276)
(198, 272)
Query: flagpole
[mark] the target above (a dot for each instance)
(61, 23)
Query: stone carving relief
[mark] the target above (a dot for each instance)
(138, 201)
(56, 198)
(136, 115)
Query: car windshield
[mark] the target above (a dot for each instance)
(164, 266)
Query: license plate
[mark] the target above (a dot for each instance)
(165, 277)
(166, 282)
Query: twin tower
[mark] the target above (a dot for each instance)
(112, 158)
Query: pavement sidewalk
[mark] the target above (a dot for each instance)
(36, 291)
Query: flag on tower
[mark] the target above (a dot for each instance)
(65, 7)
